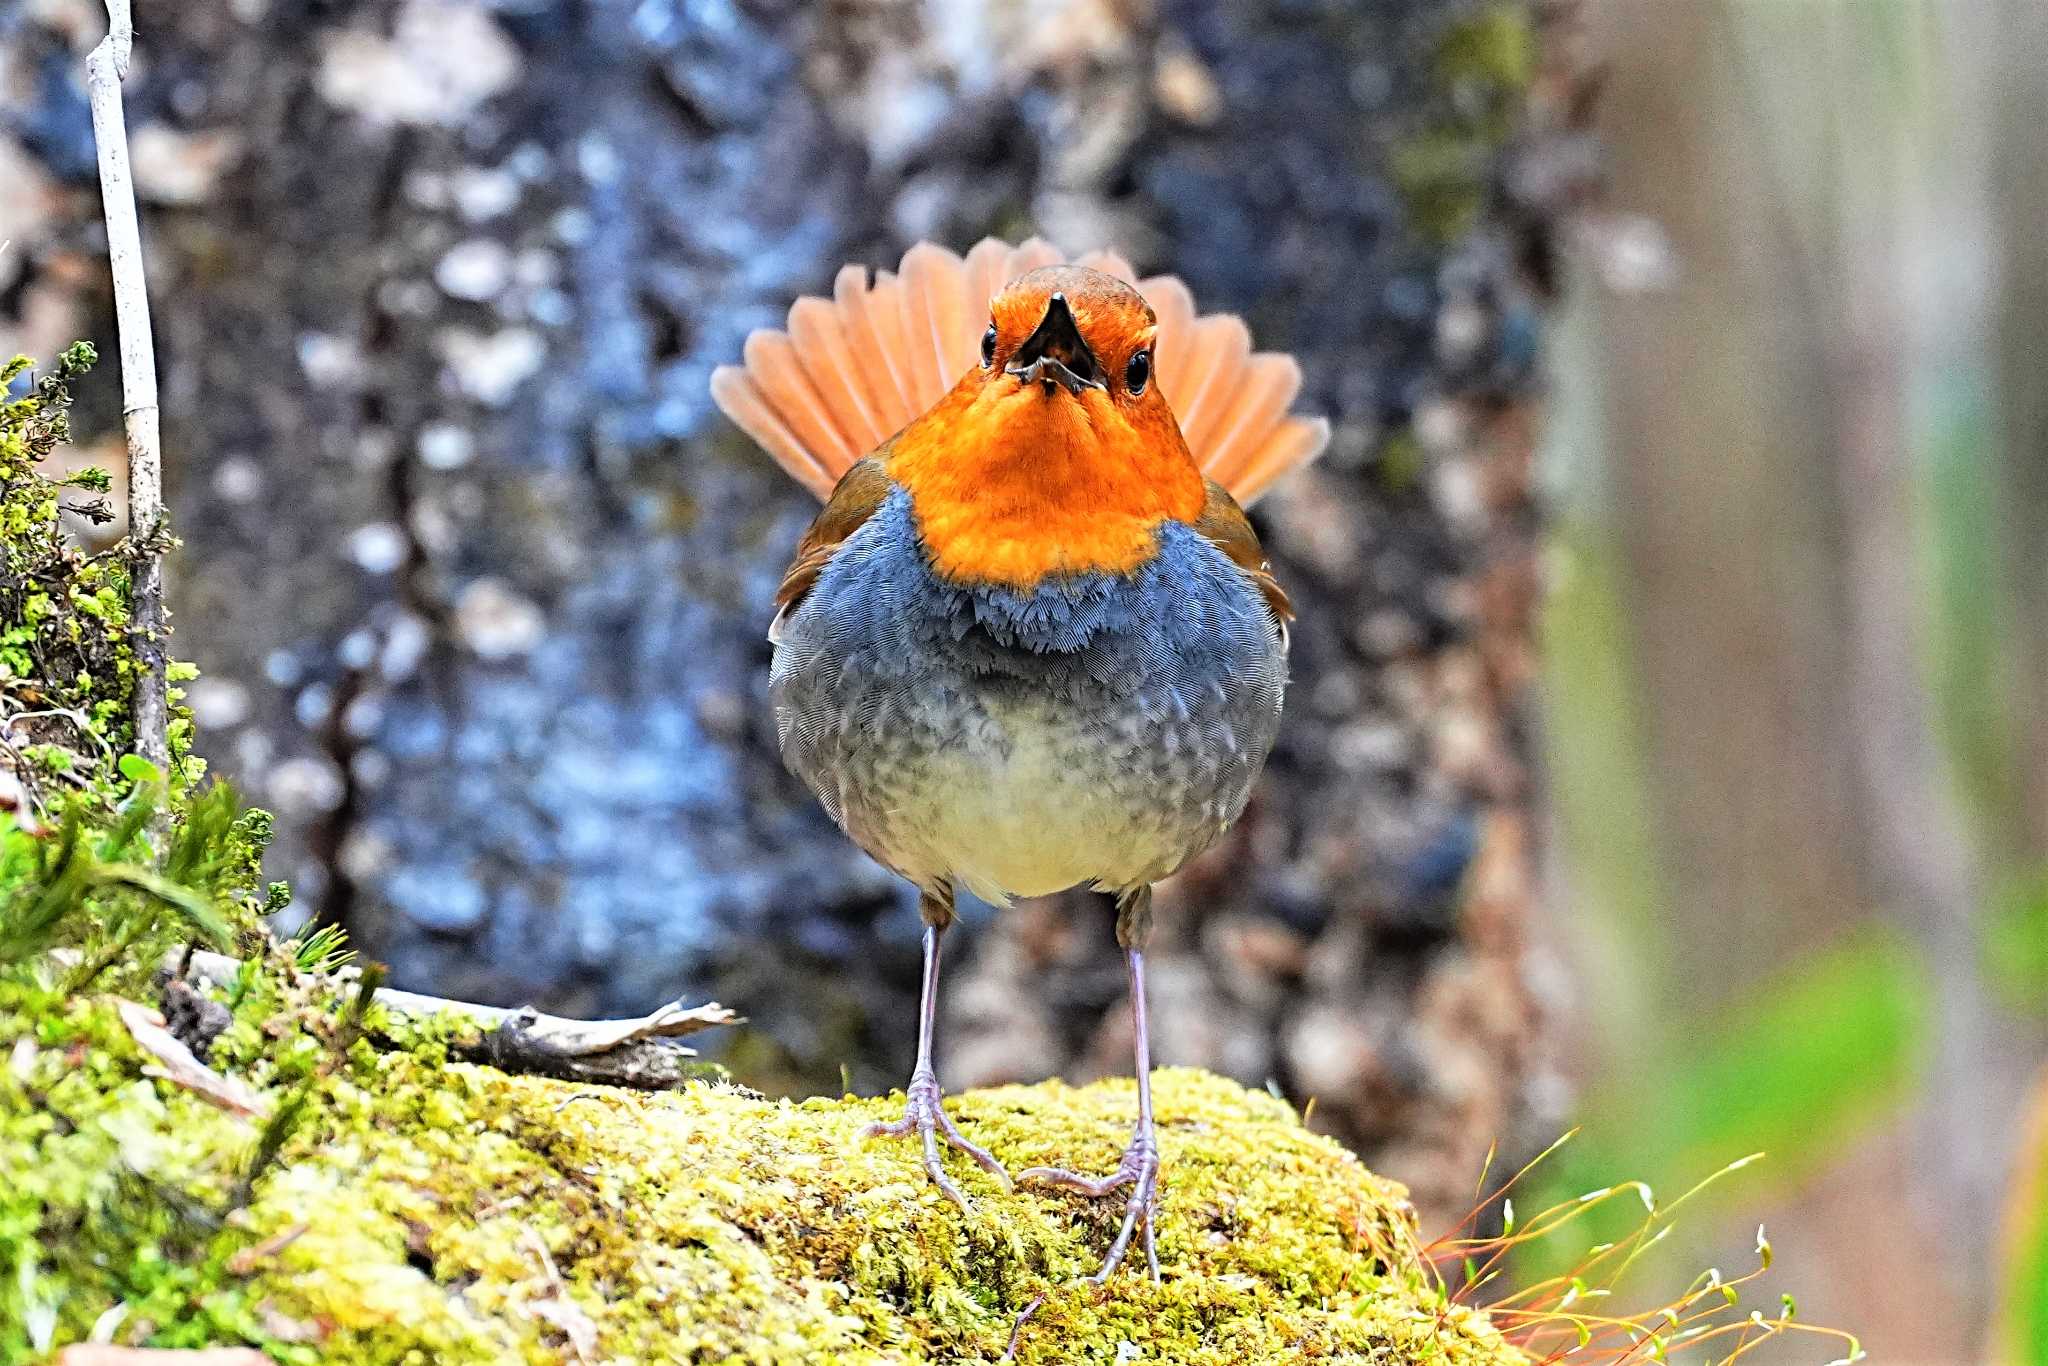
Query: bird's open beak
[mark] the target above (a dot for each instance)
(1055, 353)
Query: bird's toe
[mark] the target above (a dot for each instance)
(1139, 1170)
(924, 1116)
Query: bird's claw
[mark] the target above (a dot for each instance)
(925, 1116)
(1139, 1170)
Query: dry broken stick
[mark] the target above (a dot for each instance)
(641, 1053)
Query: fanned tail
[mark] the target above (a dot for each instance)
(851, 371)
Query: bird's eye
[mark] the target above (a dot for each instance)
(1138, 372)
(988, 347)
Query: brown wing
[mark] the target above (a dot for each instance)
(1227, 528)
(859, 492)
(852, 370)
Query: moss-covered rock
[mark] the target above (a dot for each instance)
(426, 1210)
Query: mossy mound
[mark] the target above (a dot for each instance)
(711, 1226)
(427, 1210)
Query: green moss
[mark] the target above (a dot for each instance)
(68, 665)
(106, 883)
(442, 1212)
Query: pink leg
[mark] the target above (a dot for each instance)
(1139, 1168)
(924, 1115)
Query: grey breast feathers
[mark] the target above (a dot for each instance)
(1159, 692)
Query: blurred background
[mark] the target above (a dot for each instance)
(1667, 752)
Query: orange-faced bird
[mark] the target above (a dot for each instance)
(1031, 642)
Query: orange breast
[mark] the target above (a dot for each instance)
(1011, 486)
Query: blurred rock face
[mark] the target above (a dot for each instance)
(479, 578)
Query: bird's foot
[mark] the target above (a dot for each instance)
(925, 1116)
(1139, 1170)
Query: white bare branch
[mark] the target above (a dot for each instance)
(104, 70)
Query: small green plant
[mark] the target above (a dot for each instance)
(1573, 1316)
(60, 878)
(322, 949)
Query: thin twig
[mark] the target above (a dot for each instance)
(640, 1053)
(104, 70)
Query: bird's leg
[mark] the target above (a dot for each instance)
(923, 1114)
(1139, 1168)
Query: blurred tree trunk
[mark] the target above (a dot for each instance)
(479, 580)
(2007, 44)
(1786, 510)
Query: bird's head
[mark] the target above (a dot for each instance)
(1057, 454)
(1071, 350)
(1064, 327)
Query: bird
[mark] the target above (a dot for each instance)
(1031, 642)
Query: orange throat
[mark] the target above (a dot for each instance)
(1011, 486)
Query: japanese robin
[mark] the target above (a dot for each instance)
(1031, 642)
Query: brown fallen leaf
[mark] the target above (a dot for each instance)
(249, 1258)
(182, 1069)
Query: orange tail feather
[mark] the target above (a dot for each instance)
(853, 370)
